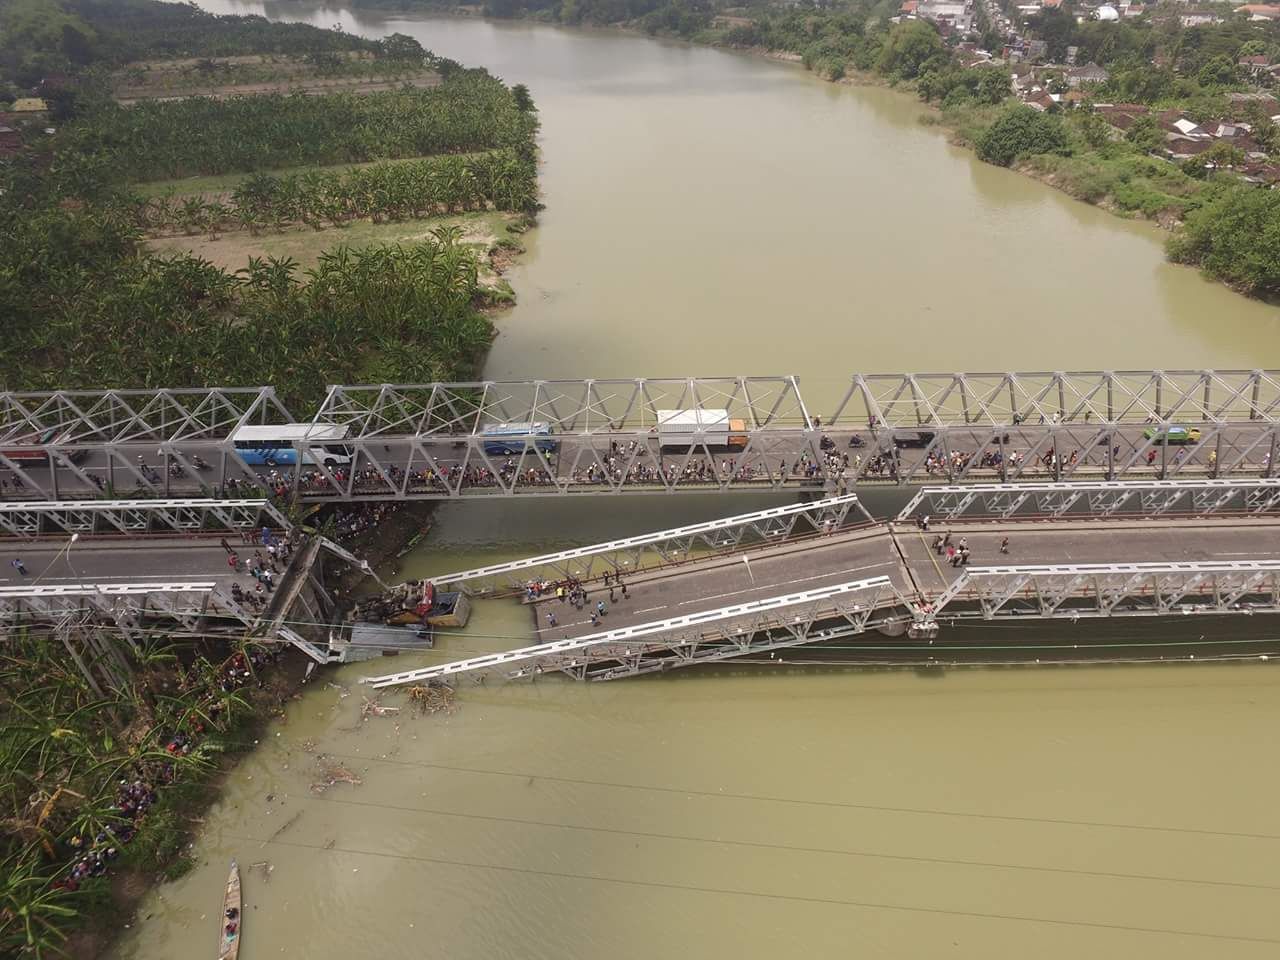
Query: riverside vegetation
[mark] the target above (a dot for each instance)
(86, 302)
(1220, 224)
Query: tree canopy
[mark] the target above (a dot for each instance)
(1021, 131)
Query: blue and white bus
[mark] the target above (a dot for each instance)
(274, 446)
(507, 438)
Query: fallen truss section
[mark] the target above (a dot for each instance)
(663, 547)
(1146, 498)
(758, 626)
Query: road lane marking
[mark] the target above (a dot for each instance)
(784, 583)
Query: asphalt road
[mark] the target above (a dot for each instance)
(1237, 450)
(906, 557)
(124, 561)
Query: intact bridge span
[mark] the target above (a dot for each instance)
(595, 437)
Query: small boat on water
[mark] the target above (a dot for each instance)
(229, 940)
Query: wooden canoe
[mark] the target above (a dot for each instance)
(229, 943)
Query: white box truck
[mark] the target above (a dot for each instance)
(681, 429)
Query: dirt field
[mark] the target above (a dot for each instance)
(241, 76)
(232, 250)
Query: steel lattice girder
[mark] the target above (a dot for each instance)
(126, 605)
(124, 416)
(633, 554)
(739, 630)
(426, 441)
(30, 518)
(1108, 397)
(1112, 590)
(1105, 499)
(128, 608)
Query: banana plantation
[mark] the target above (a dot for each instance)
(470, 111)
(382, 314)
(83, 769)
(399, 190)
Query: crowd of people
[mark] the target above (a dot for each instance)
(89, 855)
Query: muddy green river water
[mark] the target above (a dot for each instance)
(710, 214)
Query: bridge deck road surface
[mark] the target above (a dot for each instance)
(1244, 438)
(905, 555)
(150, 560)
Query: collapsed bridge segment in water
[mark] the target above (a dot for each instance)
(1092, 563)
(663, 547)
(611, 436)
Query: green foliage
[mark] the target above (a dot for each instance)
(1021, 131)
(80, 314)
(161, 140)
(910, 45)
(1145, 134)
(1235, 237)
(399, 190)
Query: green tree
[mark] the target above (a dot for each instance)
(993, 85)
(524, 102)
(1236, 238)
(908, 47)
(1220, 71)
(1019, 132)
(1146, 135)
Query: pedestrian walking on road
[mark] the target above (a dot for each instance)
(624, 592)
(233, 561)
(595, 620)
(924, 523)
(600, 608)
(18, 565)
(1004, 545)
(612, 598)
(551, 618)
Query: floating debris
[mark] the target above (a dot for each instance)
(371, 708)
(331, 774)
(433, 698)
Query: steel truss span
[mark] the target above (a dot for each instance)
(663, 547)
(26, 518)
(753, 627)
(1112, 590)
(427, 441)
(1059, 592)
(1149, 498)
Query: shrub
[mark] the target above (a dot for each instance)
(1021, 131)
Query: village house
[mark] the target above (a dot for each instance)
(1090, 73)
(1199, 18)
(1255, 66)
(1260, 11)
(29, 106)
